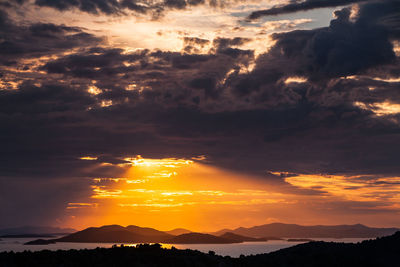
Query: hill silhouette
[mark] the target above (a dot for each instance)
(381, 252)
(146, 231)
(116, 234)
(41, 242)
(318, 231)
(136, 234)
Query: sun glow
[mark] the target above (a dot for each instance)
(176, 192)
(183, 192)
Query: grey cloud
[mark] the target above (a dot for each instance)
(296, 6)
(344, 48)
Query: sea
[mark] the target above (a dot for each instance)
(233, 250)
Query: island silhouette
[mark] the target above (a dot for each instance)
(274, 231)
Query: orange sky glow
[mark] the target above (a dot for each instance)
(169, 193)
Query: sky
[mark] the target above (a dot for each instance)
(202, 114)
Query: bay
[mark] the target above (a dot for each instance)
(233, 250)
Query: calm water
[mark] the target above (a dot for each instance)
(233, 250)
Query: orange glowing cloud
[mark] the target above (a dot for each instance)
(360, 188)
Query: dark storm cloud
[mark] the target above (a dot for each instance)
(90, 6)
(319, 139)
(383, 13)
(171, 75)
(297, 6)
(38, 39)
(114, 7)
(170, 104)
(96, 62)
(344, 48)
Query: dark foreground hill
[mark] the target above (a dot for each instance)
(382, 252)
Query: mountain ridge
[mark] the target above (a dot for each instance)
(313, 231)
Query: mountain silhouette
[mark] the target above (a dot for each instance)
(146, 231)
(116, 234)
(318, 231)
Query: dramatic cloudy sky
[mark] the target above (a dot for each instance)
(199, 113)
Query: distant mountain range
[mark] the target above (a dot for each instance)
(319, 231)
(136, 234)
